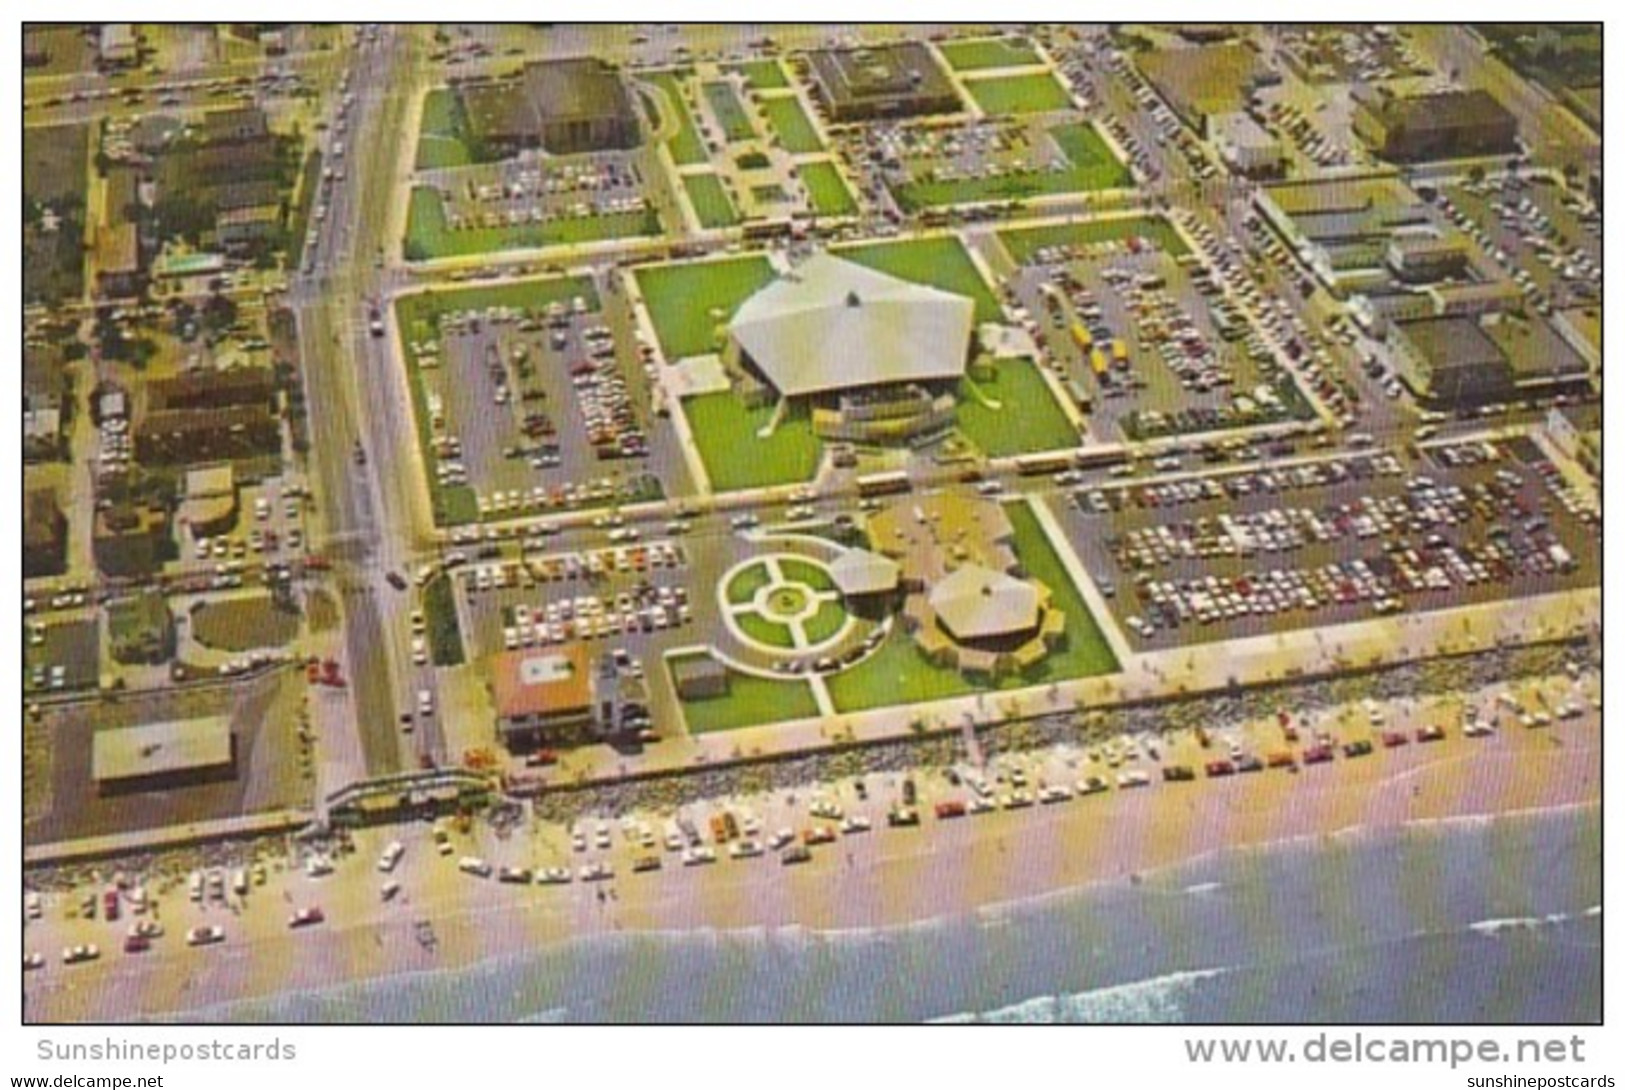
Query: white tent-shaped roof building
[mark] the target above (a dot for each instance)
(833, 324)
(977, 603)
(858, 572)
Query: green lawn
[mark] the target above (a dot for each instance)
(800, 571)
(750, 701)
(1083, 145)
(790, 121)
(240, 624)
(1084, 651)
(1027, 420)
(767, 75)
(824, 623)
(445, 635)
(828, 191)
(686, 147)
(898, 674)
(687, 301)
(969, 56)
(711, 203)
(762, 630)
(442, 140)
(428, 236)
(735, 457)
(1024, 242)
(941, 262)
(1036, 93)
(729, 111)
(743, 586)
(914, 196)
(895, 674)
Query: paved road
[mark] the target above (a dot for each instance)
(365, 526)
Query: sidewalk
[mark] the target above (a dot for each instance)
(152, 840)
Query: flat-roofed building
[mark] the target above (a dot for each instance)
(900, 79)
(1246, 147)
(44, 385)
(234, 125)
(1451, 362)
(696, 677)
(163, 755)
(1442, 125)
(118, 261)
(1422, 256)
(543, 697)
(1199, 82)
(209, 505)
(118, 45)
(567, 107)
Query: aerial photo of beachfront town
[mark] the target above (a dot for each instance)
(812, 523)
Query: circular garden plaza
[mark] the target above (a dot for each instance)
(937, 574)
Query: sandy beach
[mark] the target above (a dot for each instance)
(882, 878)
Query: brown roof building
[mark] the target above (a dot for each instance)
(902, 79)
(542, 697)
(1445, 125)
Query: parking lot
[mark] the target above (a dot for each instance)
(272, 767)
(531, 411)
(1350, 54)
(1153, 342)
(1329, 541)
(523, 191)
(1002, 160)
(1549, 242)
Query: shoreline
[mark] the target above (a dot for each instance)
(887, 878)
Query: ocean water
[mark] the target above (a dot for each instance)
(1494, 919)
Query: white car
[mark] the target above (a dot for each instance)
(206, 936)
(391, 856)
(73, 955)
(479, 868)
(420, 652)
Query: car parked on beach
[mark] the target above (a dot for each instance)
(206, 935)
(74, 955)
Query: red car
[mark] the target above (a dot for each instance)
(1393, 739)
(306, 917)
(137, 944)
(947, 810)
(1220, 768)
(1315, 755)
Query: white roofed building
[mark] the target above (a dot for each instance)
(877, 355)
